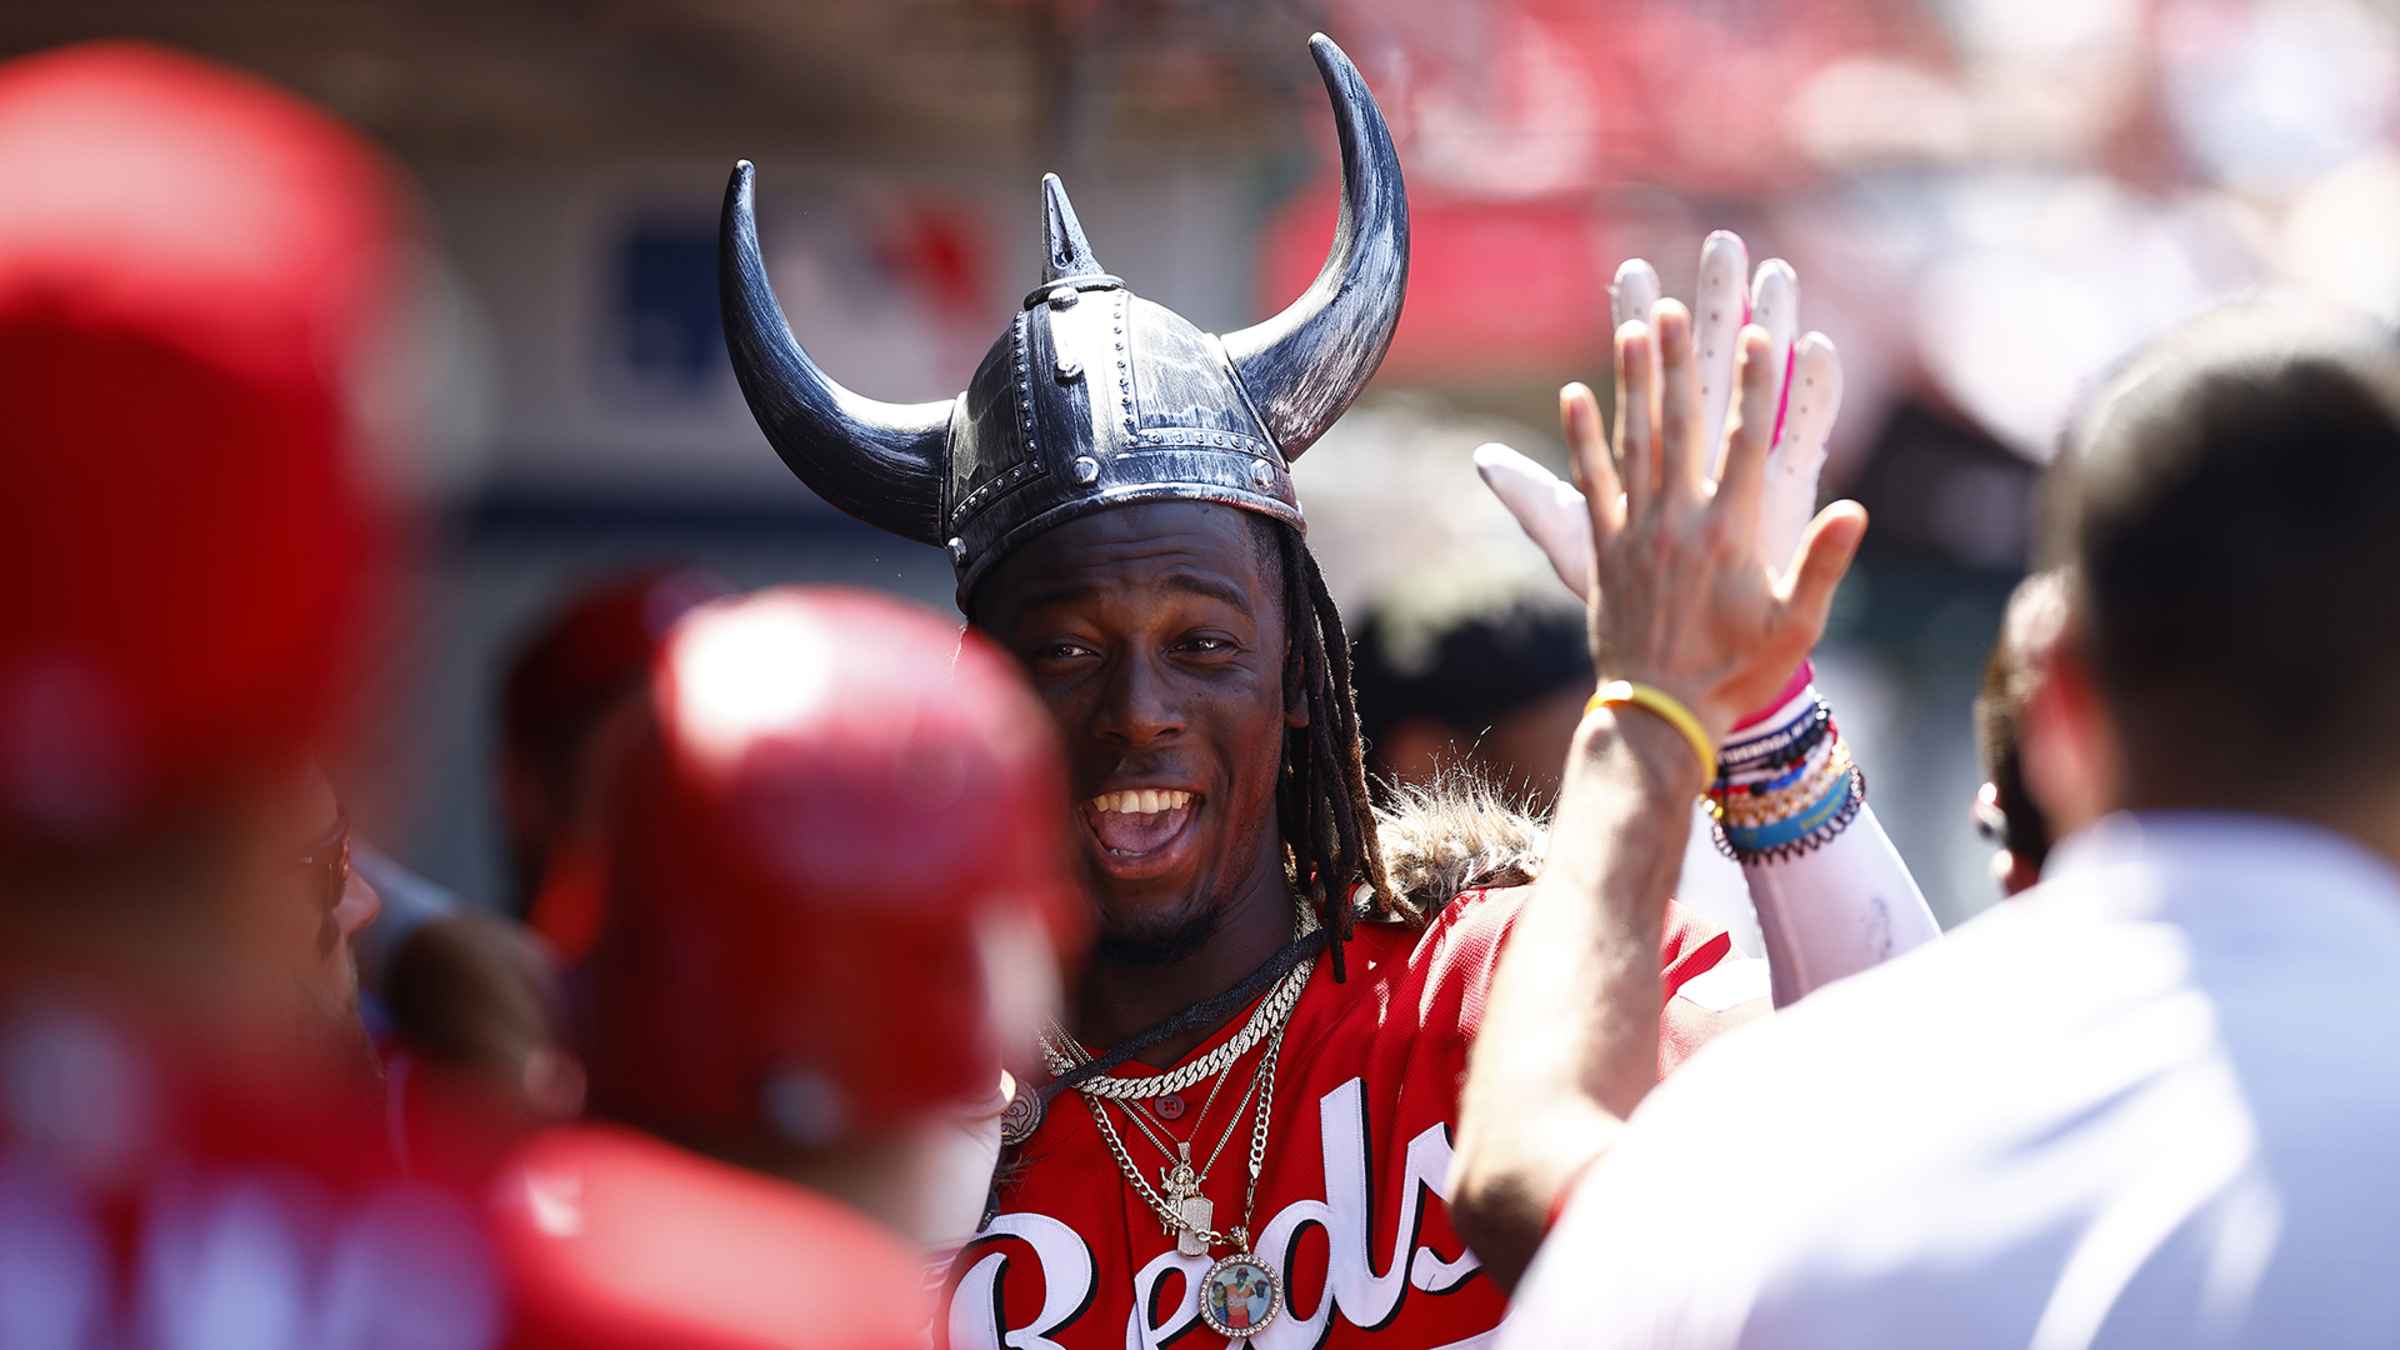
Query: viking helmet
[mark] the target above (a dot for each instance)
(1094, 397)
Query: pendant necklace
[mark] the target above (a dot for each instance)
(1240, 1294)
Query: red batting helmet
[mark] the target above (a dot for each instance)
(839, 891)
(587, 662)
(193, 269)
(590, 652)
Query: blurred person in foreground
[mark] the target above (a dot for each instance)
(2145, 1102)
(837, 899)
(195, 272)
(470, 990)
(199, 552)
(2019, 831)
(471, 994)
(571, 685)
(1270, 1035)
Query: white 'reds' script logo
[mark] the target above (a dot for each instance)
(1166, 1291)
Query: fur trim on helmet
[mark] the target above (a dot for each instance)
(1456, 833)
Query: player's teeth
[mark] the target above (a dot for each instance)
(1146, 801)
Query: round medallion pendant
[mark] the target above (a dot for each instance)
(1021, 1117)
(1240, 1295)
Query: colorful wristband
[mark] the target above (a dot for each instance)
(1792, 689)
(1660, 704)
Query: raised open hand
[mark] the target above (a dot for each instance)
(1680, 597)
(1809, 395)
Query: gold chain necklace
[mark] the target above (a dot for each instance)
(1240, 1295)
(1155, 1127)
(1192, 1221)
(1178, 1176)
(1269, 1014)
(1183, 1183)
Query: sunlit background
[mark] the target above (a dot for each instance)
(1987, 202)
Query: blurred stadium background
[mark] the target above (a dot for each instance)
(1987, 201)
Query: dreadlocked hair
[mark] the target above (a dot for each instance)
(1321, 800)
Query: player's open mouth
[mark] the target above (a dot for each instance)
(1139, 827)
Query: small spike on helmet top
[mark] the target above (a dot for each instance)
(1067, 253)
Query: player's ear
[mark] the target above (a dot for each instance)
(1295, 685)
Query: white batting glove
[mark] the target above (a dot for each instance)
(1552, 512)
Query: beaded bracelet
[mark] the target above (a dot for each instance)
(1816, 778)
(1786, 792)
(1807, 726)
(1781, 816)
(1778, 777)
(1854, 800)
(1791, 804)
(1778, 763)
(1787, 808)
(1750, 847)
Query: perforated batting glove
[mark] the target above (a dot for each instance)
(1551, 510)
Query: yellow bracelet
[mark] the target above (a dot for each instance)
(1660, 704)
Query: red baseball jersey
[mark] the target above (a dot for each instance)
(1351, 1207)
(153, 1199)
(612, 1239)
(153, 1196)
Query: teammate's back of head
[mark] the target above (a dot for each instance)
(2231, 512)
(835, 889)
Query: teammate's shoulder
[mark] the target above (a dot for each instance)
(1480, 912)
(162, 1171)
(614, 1239)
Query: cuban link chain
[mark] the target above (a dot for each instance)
(1269, 1014)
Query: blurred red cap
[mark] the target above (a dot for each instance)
(192, 269)
(590, 651)
(841, 892)
(611, 1239)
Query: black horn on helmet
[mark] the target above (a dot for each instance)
(1094, 397)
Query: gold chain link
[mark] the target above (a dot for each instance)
(1269, 1015)
(1268, 1022)
(1264, 1085)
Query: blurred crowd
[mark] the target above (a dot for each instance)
(858, 966)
